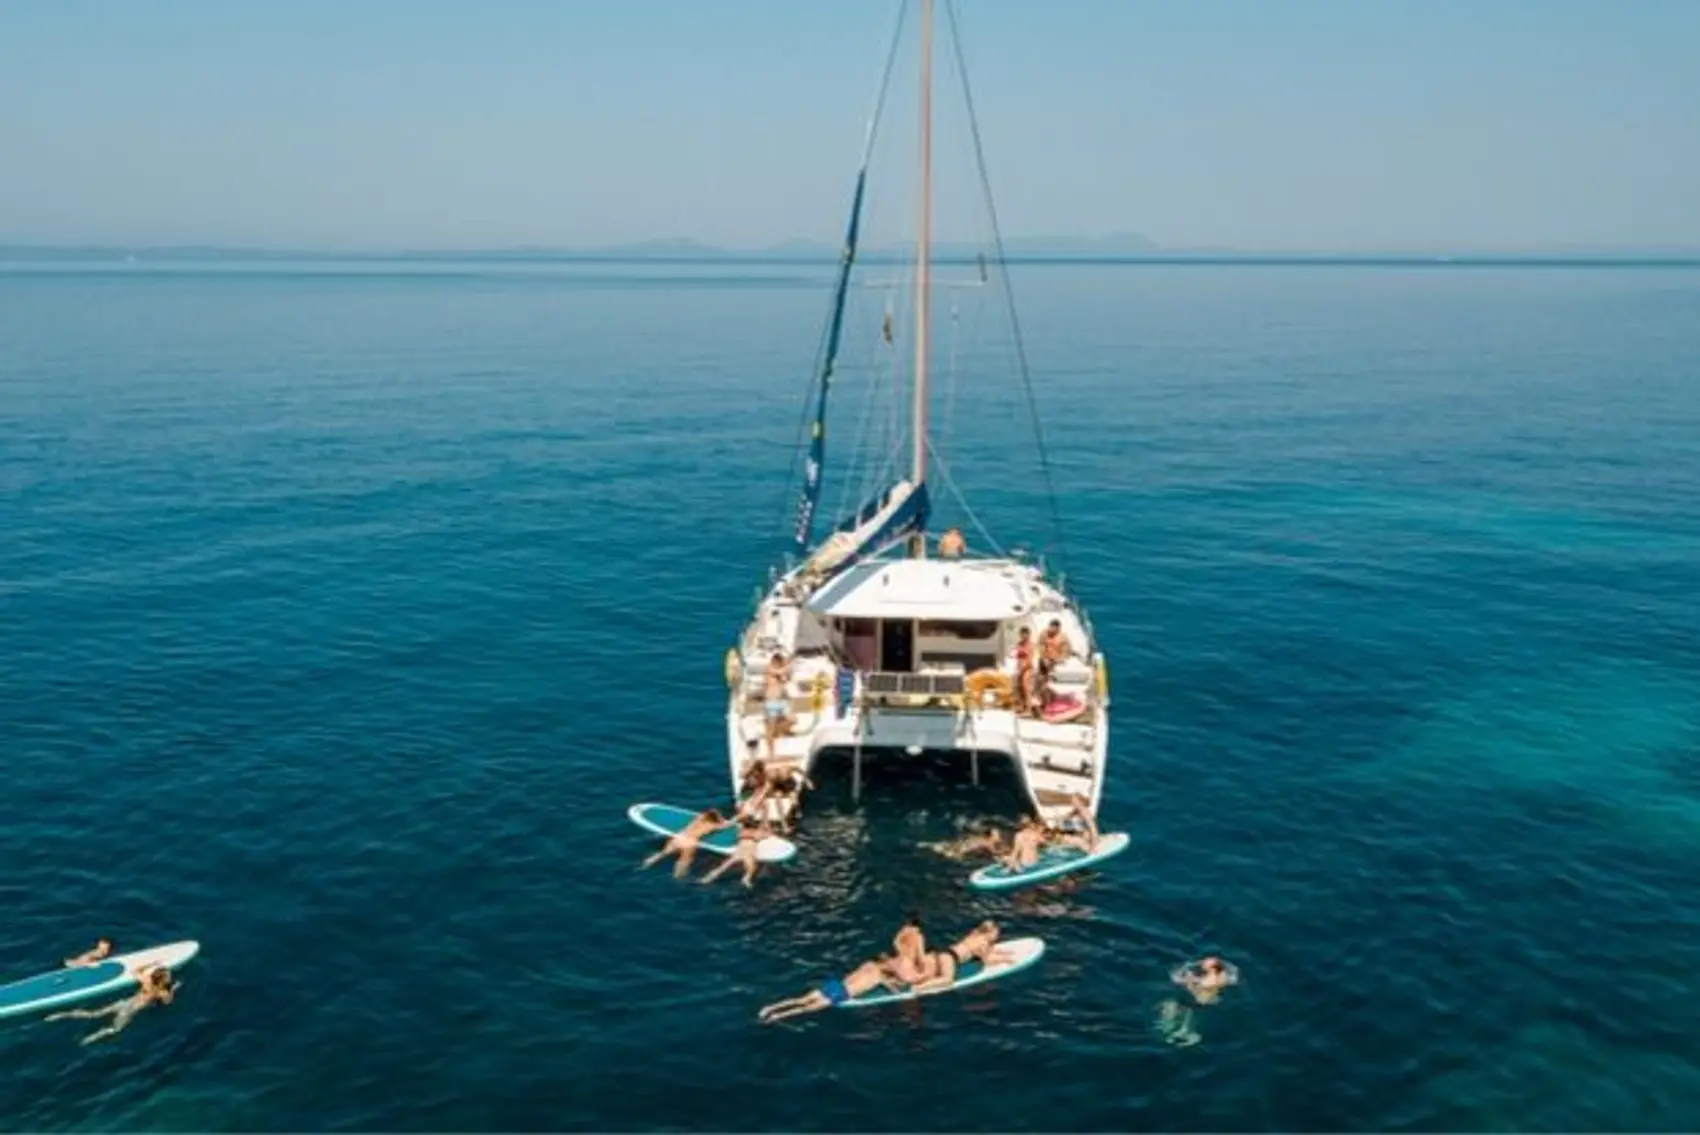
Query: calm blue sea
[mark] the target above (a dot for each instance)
(345, 608)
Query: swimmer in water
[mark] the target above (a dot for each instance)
(684, 843)
(990, 843)
(1174, 1025)
(99, 953)
(750, 834)
(865, 978)
(157, 987)
(1206, 979)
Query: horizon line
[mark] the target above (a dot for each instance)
(1115, 248)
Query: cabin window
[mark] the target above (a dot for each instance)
(938, 629)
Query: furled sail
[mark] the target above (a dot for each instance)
(899, 512)
(817, 429)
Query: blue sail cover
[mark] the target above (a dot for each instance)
(817, 429)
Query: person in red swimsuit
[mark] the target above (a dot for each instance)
(1025, 655)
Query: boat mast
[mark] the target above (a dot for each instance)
(923, 267)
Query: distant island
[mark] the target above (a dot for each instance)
(1114, 248)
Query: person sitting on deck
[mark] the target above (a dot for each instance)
(776, 701)
(753, 789)
(978, 945)
(101, 950)
(684, 842)
(751, 831)
(785, 786)
(865, 978)
(951, 545)
(1054, 646)
(1042, 691)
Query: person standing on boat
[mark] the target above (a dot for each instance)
(951, 545)
(1026, 655)
(776, 701)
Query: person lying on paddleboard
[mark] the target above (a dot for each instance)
(909, 963)
(1206, 979)
(979, 944)
(99, 953)
(865, 978)
(751, 831)
(684, 844)
(157, 986)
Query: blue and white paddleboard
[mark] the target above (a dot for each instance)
(1011, 956)
(666, 820)
(75, 984)
(1052, 862)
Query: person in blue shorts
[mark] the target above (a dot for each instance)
(865, 978)
(776, 700)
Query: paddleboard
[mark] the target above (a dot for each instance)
(72, 985)
(666, 820)
(1053, 861)
(1013, 956)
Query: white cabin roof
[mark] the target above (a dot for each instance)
(963, 590)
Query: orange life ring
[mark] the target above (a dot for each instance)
(981, 682)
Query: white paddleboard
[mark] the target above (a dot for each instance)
(72, 985)
(1011, 956)
(666, 820)
(1053, 862)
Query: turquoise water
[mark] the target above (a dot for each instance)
(344, 612)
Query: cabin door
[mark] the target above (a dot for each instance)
(897, 646)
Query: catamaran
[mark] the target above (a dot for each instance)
(892, 640)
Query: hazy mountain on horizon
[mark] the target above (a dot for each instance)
(1111, 246)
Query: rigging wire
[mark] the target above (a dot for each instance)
(967, 509)
(864, 427)
(1003, 267)
(801, 444)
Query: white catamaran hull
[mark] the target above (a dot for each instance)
(844, 695)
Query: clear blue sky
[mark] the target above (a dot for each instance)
(1260, 124)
